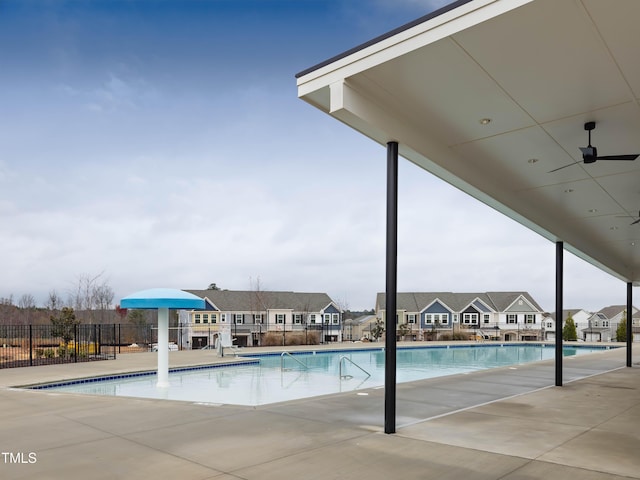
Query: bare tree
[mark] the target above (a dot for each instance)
(26, 304)
(7, 300)
(91, 293)
(258, 305)
(103, 297)
(9, 313)
(54, 302)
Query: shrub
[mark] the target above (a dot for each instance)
(447, 337)
(274, 339)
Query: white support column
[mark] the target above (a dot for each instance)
(163, 347)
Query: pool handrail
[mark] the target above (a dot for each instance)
(343, 357)
(288, 354)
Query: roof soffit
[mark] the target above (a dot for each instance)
(539, 88)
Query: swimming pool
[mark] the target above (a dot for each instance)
(272, 378)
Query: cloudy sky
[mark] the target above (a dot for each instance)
(161, 143)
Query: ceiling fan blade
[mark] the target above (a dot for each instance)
(637, 221)
(618, 157)
(564, 166)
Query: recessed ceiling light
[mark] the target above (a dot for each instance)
(613, 228)
(485, 121)
(532, 160)
(593, 210)
(569, 190)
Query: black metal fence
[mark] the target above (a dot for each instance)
(29, 345)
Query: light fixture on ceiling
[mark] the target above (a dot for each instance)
(613, 228)
(593, 210)
(485, 121)
(569, 190)
(532, 161)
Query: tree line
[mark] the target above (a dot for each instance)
(89, 301)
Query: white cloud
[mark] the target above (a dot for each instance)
(183, 187)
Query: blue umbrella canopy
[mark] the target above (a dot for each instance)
(162, 298)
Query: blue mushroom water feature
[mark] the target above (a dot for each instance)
(162, 299)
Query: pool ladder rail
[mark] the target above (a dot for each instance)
(346, 377)
(287, 354)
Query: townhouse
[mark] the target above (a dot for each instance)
(507, 316)
(250, 315)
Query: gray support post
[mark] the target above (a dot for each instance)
(629, 322)
(559, 276)
(391, 289)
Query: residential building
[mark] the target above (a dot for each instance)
(614, 314)
(359, 328)
(249, 315)
(600, 326)
(598, 329)
(490, 315)
(580, 319)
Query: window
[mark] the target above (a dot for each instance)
(312, 318)
(280, 318)
(239, 318)
(512, 318)
(485, 318)
(411, 318)
(335, 318)
(529, 318)
(469, 318)
(297, 318)
(214, 318)
(549, 324)
(223, 318)
(205, 318)
(257, 318)
(436, 318)
(197, 317)
(327, 318)
(605, 323)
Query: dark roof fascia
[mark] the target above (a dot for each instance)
(407, 26)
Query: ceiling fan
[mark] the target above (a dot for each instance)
(630, 216)
(590, 153)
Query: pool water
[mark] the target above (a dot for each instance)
(277, 378)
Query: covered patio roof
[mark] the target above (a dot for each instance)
(492, 95)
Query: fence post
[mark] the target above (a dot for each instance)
(75, 343)
(30, 345)
(114, 339)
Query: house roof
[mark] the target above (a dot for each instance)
(250, 300)
(613, 310)
(567, 312)
(417, 301)
(491, 96)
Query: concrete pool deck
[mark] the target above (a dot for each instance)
(507, 423)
